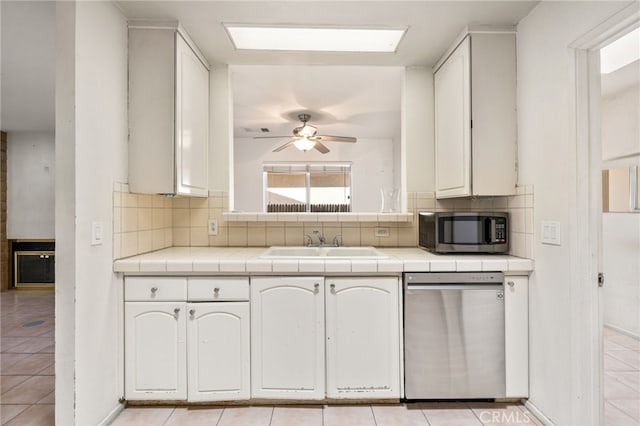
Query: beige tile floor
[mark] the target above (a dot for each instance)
(420, 414)
(621, 379)
(27, 386)
(26, 357)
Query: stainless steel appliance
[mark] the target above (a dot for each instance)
(454, 335)
(464, 232)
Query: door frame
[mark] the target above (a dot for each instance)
(587, 324)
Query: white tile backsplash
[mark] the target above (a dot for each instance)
(151, 222)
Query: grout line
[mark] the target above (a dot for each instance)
(373, 414)
(169, 416)
(220, 418)
(273, 409)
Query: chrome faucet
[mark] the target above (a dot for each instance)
(321, 238)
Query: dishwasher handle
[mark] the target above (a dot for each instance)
(421, 287)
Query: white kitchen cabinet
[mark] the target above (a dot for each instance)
(168, 113)
(475, 117)
(187, 338)
(363, 337)
(287, 338)
(218, 348)
(155, 350)
(516, 307)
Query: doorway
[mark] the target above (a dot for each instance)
(591, 131)
(620, 249)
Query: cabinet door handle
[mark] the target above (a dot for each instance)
(510, 283)
(333, 288)
(316, 287)
(176, 311)
(192, 312)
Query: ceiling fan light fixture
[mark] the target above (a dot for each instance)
(304, 144)
(308, 131)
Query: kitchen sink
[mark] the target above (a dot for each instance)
(359, 252)
(322, 253)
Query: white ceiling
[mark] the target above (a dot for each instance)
(432, 25)
(344, 93)
(341, 98)
(359, 101)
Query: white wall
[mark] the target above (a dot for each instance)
(418, 129)
(547, 159)
(97, 140)
(221, 129)
(621, 267)
(621, 124)
(372, 168)
(30, 185)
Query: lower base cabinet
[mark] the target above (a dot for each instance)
(287, 338)
(179, 350)
(363, 338)
(291, 337)
(218, 351)
(155, 351)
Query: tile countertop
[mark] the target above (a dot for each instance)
(247, 260)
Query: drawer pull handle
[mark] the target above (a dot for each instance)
(154, 289)
(216, 291)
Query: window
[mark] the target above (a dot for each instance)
(303, 187)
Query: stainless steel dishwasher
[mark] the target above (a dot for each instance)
(454, 335)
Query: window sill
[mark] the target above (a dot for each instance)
(316, 217)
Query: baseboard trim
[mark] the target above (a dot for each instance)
(539, 414)
(112, 415)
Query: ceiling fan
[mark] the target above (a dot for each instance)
(306, 137)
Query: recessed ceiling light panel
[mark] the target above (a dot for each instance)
(318, 39)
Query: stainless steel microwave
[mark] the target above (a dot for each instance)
(464, 232)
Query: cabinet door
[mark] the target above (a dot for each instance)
(218, 347)
(155, 351)
(453, 124)
(287, 337)
(192, 121)
(363, 338)
(516, 306)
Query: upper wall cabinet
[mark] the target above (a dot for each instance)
(475, 116)
(168, 113)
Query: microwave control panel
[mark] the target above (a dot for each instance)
(501, 230)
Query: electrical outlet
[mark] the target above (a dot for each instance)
(382, 232)
(213, 226)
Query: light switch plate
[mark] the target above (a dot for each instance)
(97, 233)
(551, 232)
(213, 227)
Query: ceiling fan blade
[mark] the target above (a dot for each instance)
(271, 137)
(327, 138)
(323, 149)
(286, 145)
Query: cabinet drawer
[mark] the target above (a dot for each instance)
(155, 289)
(218, 289)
